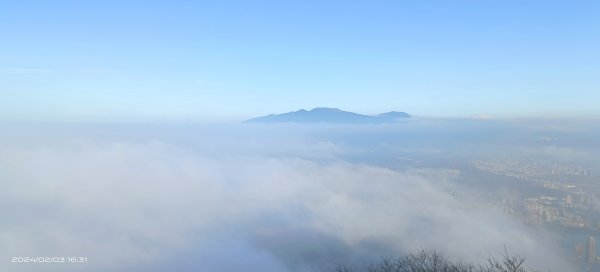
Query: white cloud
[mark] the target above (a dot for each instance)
(145, 205)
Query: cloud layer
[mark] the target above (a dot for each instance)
(155, 205)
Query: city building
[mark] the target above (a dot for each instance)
(579, 250)
(592, 250)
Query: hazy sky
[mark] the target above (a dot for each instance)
(229, 60)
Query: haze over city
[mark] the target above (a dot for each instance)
(299, 136)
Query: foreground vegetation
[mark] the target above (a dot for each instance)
(434, 261)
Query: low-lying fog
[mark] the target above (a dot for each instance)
(269, 197)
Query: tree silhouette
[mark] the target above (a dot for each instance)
(434, 261)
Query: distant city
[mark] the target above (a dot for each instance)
(300, 136)
(566, 197)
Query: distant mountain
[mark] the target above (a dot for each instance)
(394, 115)
(329, 115)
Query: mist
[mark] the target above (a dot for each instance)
(267, 197)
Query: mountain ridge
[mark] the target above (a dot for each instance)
(329, 115)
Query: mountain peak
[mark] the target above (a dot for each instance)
(395, 114)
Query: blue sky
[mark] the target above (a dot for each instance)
(229, 60)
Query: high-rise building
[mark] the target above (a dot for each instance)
(592, 250)
(580, 250)
(568, 200)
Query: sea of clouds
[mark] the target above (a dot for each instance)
(243, 199)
